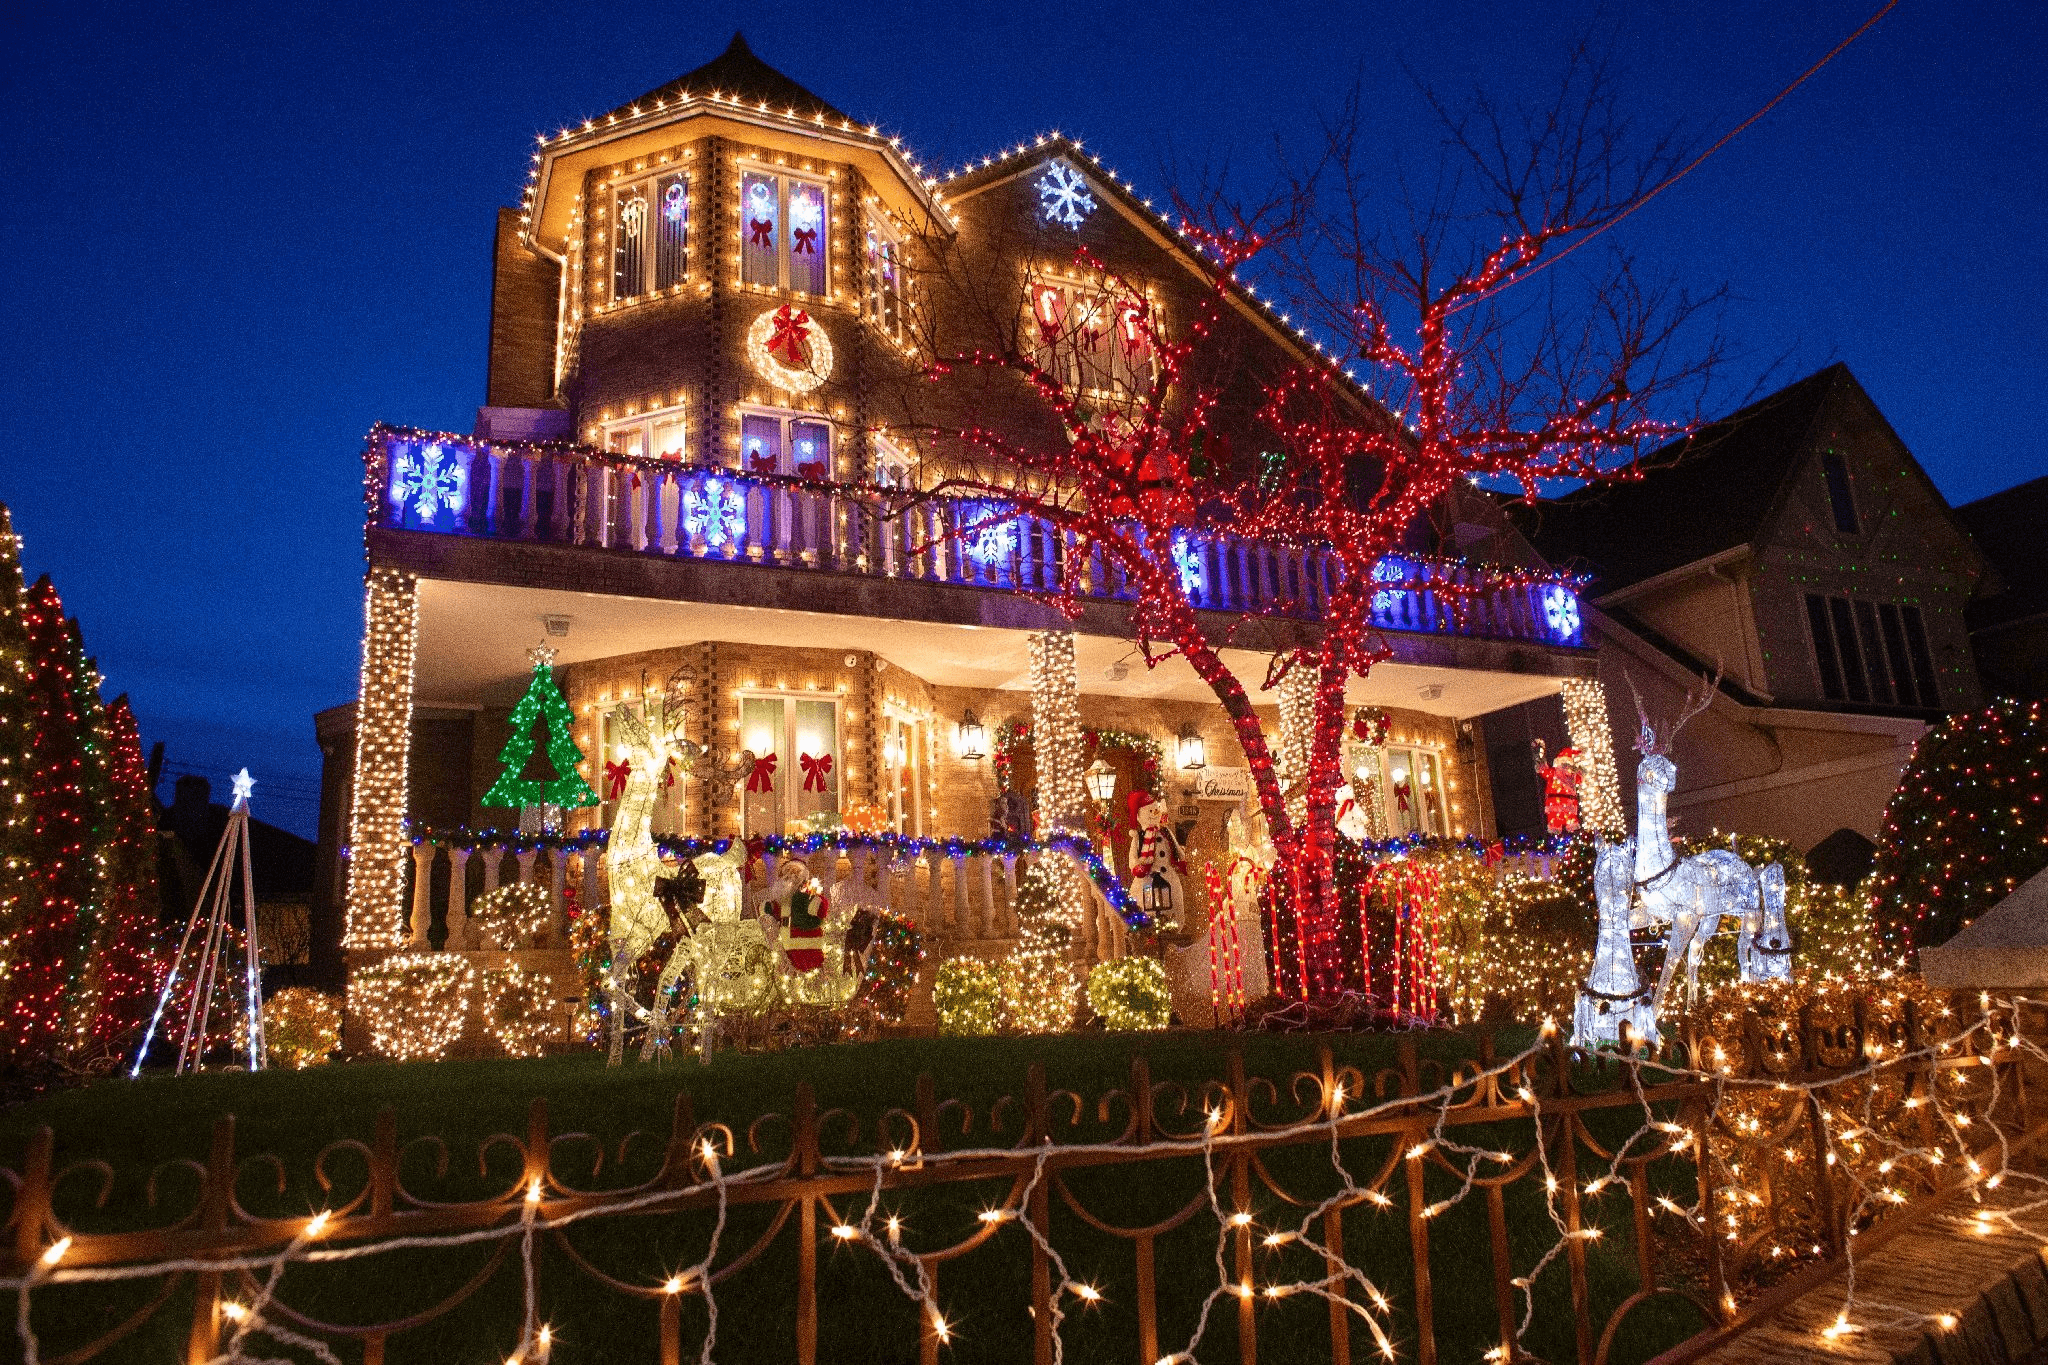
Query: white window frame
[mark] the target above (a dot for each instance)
(882, 301)
(643, 425)
(887, 454)
(649, 269)
(784, 178)
(785, 460)
(904, 798)
(789, 775)
(1061, 355)
(1424, 824)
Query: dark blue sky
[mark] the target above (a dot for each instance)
(238, 235)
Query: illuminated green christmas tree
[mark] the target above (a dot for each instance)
(1968, 823)
(529, 775)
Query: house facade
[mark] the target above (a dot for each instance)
(1797, 549)
(697, 475)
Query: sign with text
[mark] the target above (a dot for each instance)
(1223, 784)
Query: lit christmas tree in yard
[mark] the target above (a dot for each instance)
(1967, 825)
(79, 958)
(1039, 980)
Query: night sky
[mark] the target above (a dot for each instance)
(237, 236)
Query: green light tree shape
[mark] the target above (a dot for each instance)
(544, 701)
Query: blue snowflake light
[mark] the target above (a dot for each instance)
(716, 512)
(1063, 195)
(428, 479)
(1561, 611)
(1393, 571)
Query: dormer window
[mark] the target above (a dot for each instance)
(1841, 497)
(650, 235)
(784, 232)
(1089, 340)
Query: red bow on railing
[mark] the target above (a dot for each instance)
(615, 778)
(791, 339)
(762, 778)
(763, 231)
(816, 768)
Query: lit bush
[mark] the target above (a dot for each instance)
(966, 994)
(1131, 993)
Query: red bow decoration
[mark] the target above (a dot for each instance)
(615, 778)
(1401, 795)
(669, 773)
(762, 778)
(791, 339)
(803, 242)
(816, 768)
(763, 233)
(762, 464)
(812, 469)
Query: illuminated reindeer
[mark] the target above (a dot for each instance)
(1694, 895)
(648, 743)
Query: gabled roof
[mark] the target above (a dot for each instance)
(738, 72)
(1716, 494)
(2007, 528)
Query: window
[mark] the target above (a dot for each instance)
(885, 278)
(1841, 499)
(650, 235)
(1414, 791)
(801, 735)
(892, 463)
(1090, 341)
(899, 774)
(1872, 652)
(784, 233)
(658, 432)
(785, 443)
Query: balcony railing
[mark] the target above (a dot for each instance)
(572, 495)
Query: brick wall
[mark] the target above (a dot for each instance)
(525, 289)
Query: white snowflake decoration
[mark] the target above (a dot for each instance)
(991, 541)
(430, 480)
(1393, 571)
(717, 513)
(1063, 195)
(1561, 611)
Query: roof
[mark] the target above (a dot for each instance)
(1709, 493)
(737, 71)
(2007, 528)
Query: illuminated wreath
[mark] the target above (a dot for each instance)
(790, 349)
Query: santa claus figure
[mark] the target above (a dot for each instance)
(1561, 788)
(1156, 862)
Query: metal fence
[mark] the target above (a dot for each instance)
(1439, 1207)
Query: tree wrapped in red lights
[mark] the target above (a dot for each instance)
(78, 901)
(1150, 421)
(1968, 824)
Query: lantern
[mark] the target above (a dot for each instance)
(1100, 779)
(973, 738)
(1193, 753)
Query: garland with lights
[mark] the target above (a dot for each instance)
(1967, 824)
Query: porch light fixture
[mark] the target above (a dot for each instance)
(1100, 779)
(973, 737)
(1194, 755)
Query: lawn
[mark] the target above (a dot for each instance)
(136, 1126)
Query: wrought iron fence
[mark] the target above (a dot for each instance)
(1434, 1209)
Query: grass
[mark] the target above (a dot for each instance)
(136, 1126)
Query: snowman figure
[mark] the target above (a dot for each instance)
(1155, 863)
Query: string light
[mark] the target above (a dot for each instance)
(1131, 993)
(378, 849)
(967, 994)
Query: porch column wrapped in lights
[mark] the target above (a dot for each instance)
(1056, 748)
(1585, 720)
(377, 842)
(1297, 733)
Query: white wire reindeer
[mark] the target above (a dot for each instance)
(651, 742)
(1642, 882)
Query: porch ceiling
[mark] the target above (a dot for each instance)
(474, 638)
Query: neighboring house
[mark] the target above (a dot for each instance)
(656, 490)
(1797, 547)
(2009, 627)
